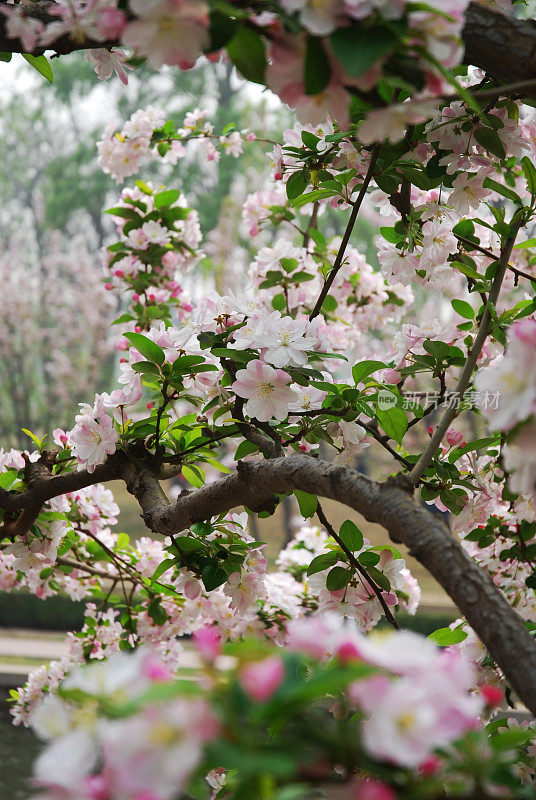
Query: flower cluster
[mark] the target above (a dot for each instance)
(127, 728)
(147, 135)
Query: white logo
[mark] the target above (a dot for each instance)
(386, 400)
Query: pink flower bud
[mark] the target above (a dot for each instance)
(525, 331)
(262, 678)
(251, 137)
(111, 22)
(347, 652)
(108, 286)
(392, 376)
(192, 589)
(135, 297)
(430, 766)
(372, 789)
(96, 788)
(454, 437)
(150, 405)
(278, 176)
(138, 328)
(493, 695)
(208, 642)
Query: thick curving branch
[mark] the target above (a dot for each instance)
(504, 47)
(391, 504)
(256, 485)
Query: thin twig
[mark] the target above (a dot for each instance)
(518, 272)
(355, 563)
(472, 357)
(347, 233)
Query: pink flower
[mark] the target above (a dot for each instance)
(468, 192)
(454, 437)
(391, 123)
(111, 22)
(265, 389)
(20, 25)
(93, 438)
(168, 32)
(208, 642)
(262, 678)
(372, 789)
(104, 62)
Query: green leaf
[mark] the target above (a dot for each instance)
(297, 184)
(527, 245)
(312, 197)
(40, 64)
(213, 576)
(148, 349)
(317, 69)
(439, 350)
(166, 198)
(476, 444)
(6, 57)
(369, 558)
(351, 535)
(359, 48)
(307, 503)
(8, 478)
(221, 30)
(365, 368)
(463, 308)
(310, 140)
(394, 422)
(490, 141)
(156, 612)
(445, 637)
(529, 171)
(489, 183)
(192, 476)
(246, 51)
(513, 737)
(168, 563)
(322, 562)
(245, 449)
(279, 302)
(338, 578)
(143, 187)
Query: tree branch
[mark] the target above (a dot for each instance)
(347, 233)
(255, 484)
(472, 357)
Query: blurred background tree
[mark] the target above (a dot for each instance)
(53, 227)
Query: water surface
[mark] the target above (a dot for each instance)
(18, 748)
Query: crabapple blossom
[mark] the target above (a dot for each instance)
(167, 32)
(93, 438)
(512, 377)
(266, 390)
(262, 678)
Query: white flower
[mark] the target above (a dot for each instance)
(286, 341)
(468, 192)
